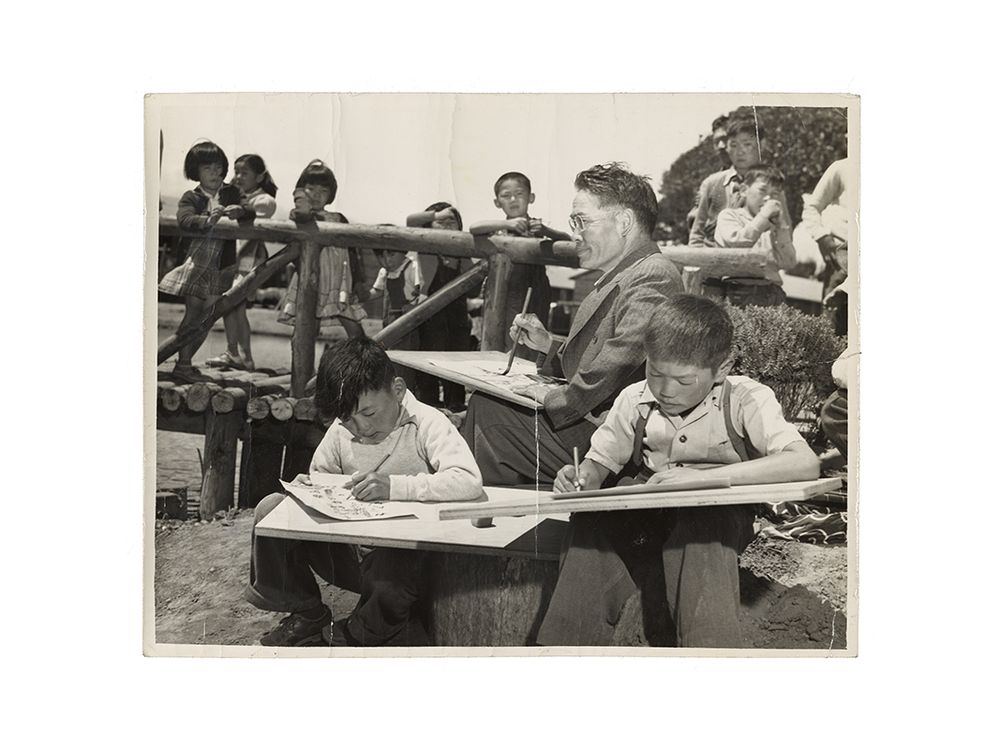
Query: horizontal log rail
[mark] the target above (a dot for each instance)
(435, 241)
(714, 261)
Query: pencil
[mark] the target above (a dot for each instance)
(576, 466)
(379, 464)
(375, 468)
(517, 339)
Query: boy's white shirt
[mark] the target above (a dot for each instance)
(735, 227)
(455, 473)
(754, 409)
(414, 281)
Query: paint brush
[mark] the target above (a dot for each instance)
(520, 331)
(576, 467)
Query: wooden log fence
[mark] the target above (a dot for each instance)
(500, 250)
(224, 409)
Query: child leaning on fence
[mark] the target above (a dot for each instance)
(200, 279)
(419, 456)
(761, 222)
(342, 285)
(745, 146)
(689, 417)
(257, 192)
(513, 196)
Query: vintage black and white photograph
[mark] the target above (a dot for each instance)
(512, 374)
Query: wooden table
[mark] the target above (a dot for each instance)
(425, 362)
(503, 502)
(486, 586)
(536, 536)
(490, 586)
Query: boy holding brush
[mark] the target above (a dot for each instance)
(687, 418)
(396, 448)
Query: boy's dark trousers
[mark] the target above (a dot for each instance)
(283, 579)
(608, 556)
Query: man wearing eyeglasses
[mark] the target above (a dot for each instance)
(614, 212)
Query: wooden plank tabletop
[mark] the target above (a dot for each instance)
(502, 504)
(426, 362)
(538, 537)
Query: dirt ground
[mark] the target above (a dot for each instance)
(794, 595)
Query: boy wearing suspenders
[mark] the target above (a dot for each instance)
(688, 415)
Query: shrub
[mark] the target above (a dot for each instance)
(791, 353)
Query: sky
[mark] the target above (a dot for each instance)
(394, 154)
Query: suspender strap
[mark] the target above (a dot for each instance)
(744, 449)
(640, 431)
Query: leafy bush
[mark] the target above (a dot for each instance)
(802, 142)
(791, 353)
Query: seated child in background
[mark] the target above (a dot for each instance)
(374, 416)
(688, 418)
(760, 223)
(745, 143)
(513, 196)
(398, 283)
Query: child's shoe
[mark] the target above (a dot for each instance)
(226, 360)
(187, 373)
(248, 364)
(296, 630)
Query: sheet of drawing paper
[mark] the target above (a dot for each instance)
(522, 372)
(329, 495)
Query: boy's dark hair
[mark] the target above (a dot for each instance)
(614, 184)
(690, 330)
(722, 121)
(441, 206)
(519, 176)
(317, 173)
(771, 175)
(203, 153)
(348, 369)
(744, 126)
(259, 167)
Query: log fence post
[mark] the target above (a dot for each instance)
(306, 322)
(497, 278)
(219, 480)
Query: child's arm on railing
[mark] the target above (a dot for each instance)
(517, 226)
(188, 216)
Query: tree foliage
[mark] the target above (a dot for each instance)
(802, 142)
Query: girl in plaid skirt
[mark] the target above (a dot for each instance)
(199, 279)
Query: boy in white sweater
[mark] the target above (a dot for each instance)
(761, 222)
(419, 455)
